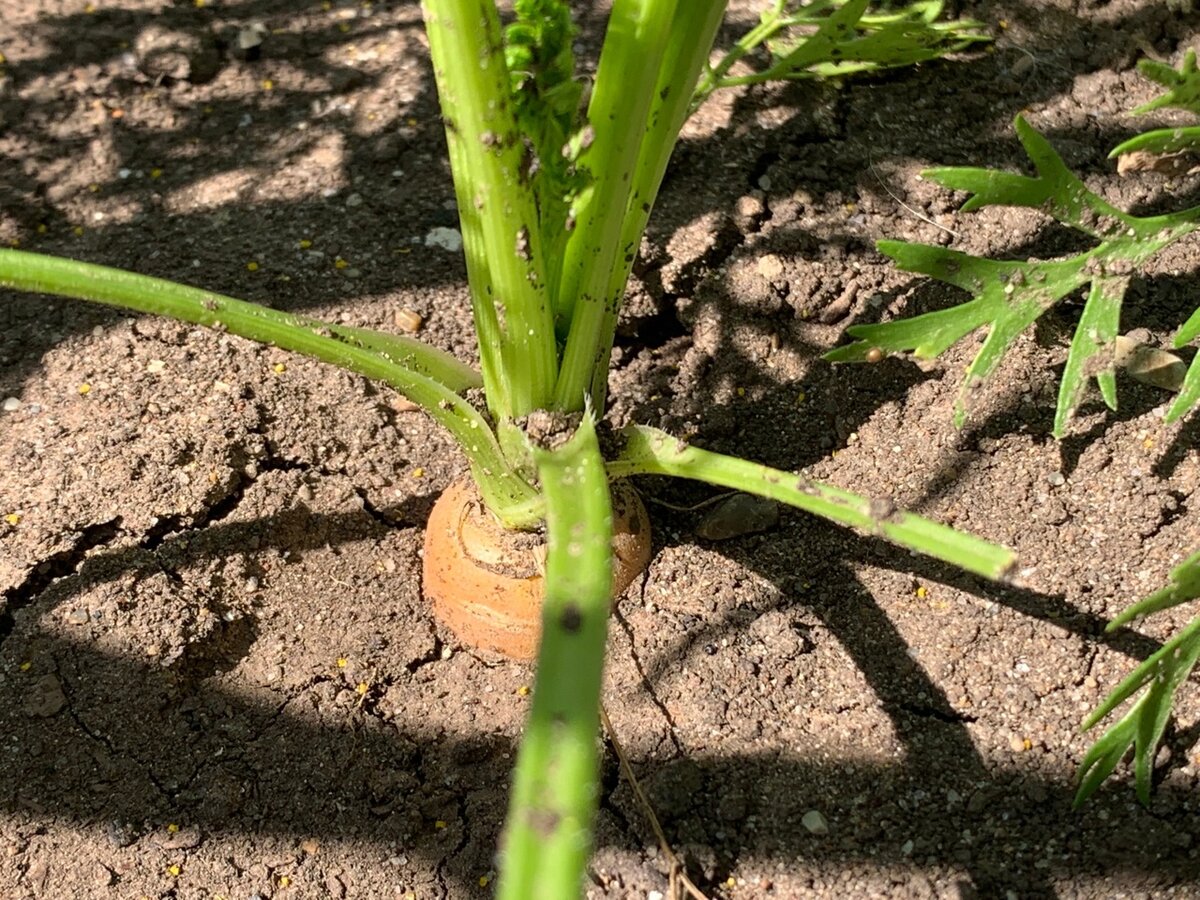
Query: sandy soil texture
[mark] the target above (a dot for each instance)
(218, 677)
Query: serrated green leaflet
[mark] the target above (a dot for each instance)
(1159, 677)
(1010, 295)
(828, 38)
(1183, 93)
(1183, 84)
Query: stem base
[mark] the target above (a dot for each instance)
(485, 582)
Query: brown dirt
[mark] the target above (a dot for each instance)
(217, 675)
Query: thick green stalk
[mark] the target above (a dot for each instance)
(425, 375)
(639, 32)
(649, 451)
(496, 206)
(547, 838)
(692, 37)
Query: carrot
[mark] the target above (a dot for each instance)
(485, 582)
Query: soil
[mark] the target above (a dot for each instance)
(217, 674)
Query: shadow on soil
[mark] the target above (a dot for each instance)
(197, 749)
(191, 748)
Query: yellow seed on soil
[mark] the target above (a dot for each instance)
(199, 4)
(284, 881)
(439, 824)
(85, 389)
(1148, 443)
(343, 27)
(921, 592)
(174, 871)
(268, 84)
(418, 472)
(523, 691)
(90, 8)
(77, 231)
(484, 880)
(410, 122)
(342, 662)
(156, 173)
(41, 229)
(730, 882)
(94, 188)
(13, 518)
(26, 666)
(252, 266)
(305, 243)
(279, 368)
(741, 392)
(340, 263)
(362, 687)
(172, 828)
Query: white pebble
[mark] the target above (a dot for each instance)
(446, 238)
(815, 822)
(11, 404)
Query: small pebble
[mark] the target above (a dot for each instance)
(183, 839)
(45, 698)
(815, 822)
(738, 515)
(1057, 479)
(11, 404)
(78, 617)
(102, 875)
(407, 320)
(447, 238)
(120, 834)
(770, 266)
(354, 200)
(251, 584)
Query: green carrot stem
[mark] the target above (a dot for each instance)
(547, 838)
(496, 206)
(422, 374)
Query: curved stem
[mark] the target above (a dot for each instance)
(412, 368)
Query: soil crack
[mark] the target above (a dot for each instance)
(941, 715)
(646, 683)
(59, 565)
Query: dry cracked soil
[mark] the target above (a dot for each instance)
(217, 674)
